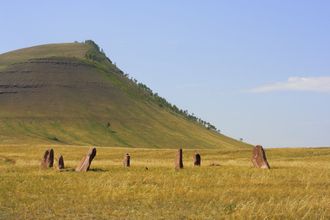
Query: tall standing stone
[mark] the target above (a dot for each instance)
(179, 160)
(60, 164)
(48, 159)
(127, 160)
(86, 161)
(197, 159)
(259, 159)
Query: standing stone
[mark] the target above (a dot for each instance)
(86, 161)
(197, 159)
(178, 160)
(48, 159)
(259, 159)
(127, 160)
(60, 164)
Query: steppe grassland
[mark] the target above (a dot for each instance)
(296, 187)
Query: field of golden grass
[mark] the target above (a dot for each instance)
(296, 187)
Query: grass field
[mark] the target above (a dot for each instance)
(296, 187)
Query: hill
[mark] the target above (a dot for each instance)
(73, 94)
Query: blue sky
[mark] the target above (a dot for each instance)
(258, 70)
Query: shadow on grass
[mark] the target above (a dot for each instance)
(7, 160)
(98, 170)
(271, 168)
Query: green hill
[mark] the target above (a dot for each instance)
(72, 94)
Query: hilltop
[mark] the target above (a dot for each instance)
(72, 93)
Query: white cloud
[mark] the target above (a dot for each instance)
(313, 84)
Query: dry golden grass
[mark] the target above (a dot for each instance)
(297, 186)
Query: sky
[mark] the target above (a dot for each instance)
(258, 70)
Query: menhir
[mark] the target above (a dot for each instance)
(259, 159)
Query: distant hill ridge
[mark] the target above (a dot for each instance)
(72, 93)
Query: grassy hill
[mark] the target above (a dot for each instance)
(72, 94)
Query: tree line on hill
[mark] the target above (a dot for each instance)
(97, 54)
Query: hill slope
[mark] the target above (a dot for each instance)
(73, 94)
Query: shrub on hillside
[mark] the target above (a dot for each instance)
(95, 53)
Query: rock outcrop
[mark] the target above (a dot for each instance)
(60, 164)
(127, 160)
(48, 159)
(259, 158)
(197, 159)
(179, 160)
(86, 161)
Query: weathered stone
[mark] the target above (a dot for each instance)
(127, 160)
(60, 164)
(179, 160)
(197, 159)
(86, 161)
(259, 159)
(48, 159)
